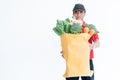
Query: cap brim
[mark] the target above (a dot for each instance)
(78, 10)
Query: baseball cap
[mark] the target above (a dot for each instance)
(79, 7)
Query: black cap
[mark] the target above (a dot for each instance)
(79, 7)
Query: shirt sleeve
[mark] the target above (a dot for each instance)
(95, 37)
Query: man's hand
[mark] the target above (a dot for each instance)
(62, 53)
(91, 46)
(96, 44)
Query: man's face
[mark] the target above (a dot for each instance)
(79, 15)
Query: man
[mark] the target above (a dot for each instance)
(79, 12)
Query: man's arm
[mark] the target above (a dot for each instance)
(96, 41)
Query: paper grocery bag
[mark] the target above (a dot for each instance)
(76, 52)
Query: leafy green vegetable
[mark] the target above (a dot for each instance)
(76, 28)
(62, 26)
(57, 31)
(67, 19)
(91, 26)
(59, 22)
(67, 26)
(59, 28)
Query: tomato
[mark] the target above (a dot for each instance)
(85, 29)
(91, 32)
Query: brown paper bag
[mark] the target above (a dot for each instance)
(76, 52)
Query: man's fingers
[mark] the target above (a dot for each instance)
(61, 51)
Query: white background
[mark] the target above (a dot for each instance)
(30, 50)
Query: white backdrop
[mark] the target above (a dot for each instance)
(30, 50)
